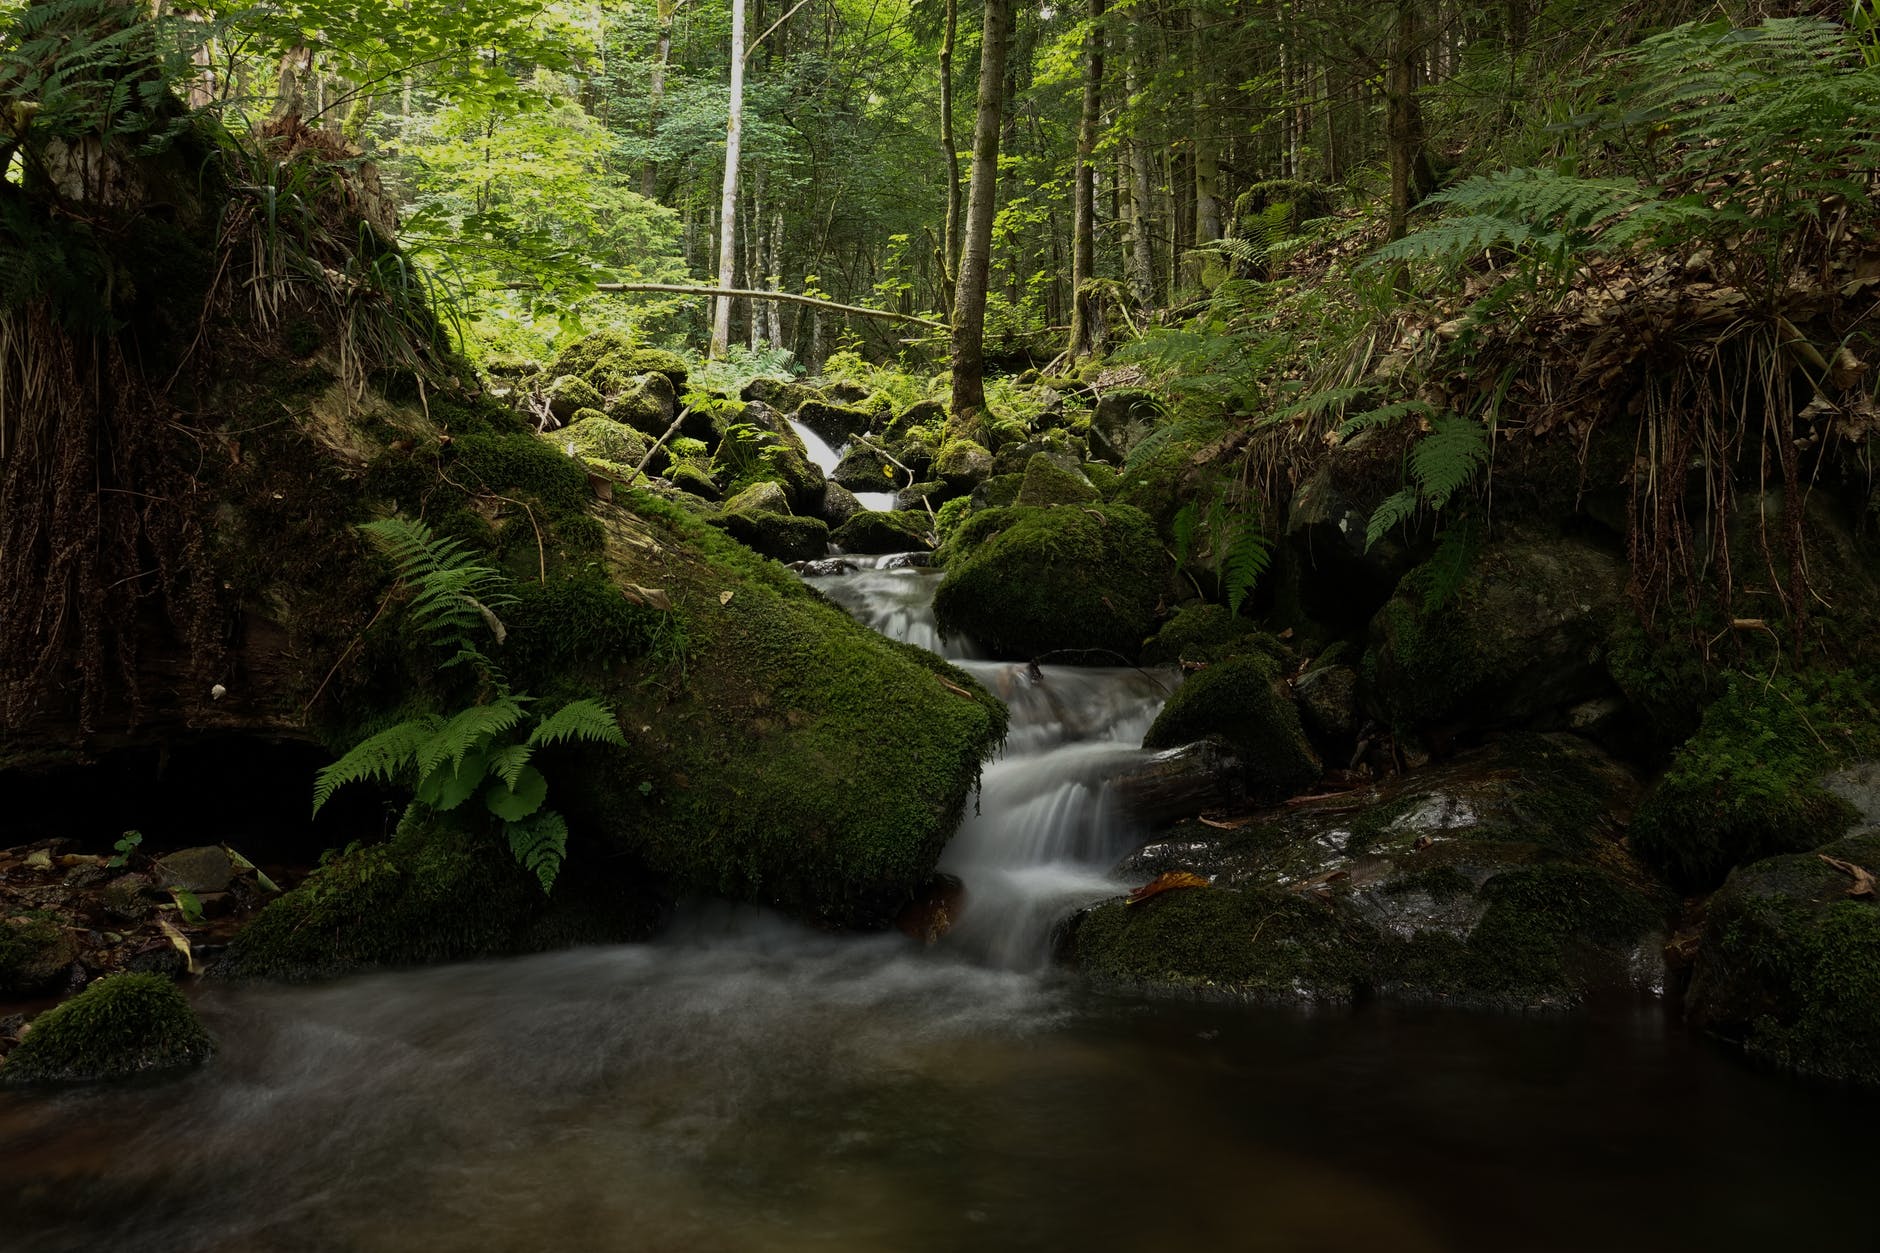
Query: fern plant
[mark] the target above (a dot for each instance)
(1224, 542)
(1442, 463)
(486, 749)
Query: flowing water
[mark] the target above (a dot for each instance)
(743, 1084)
(825, 458)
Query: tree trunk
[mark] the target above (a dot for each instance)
(1141, 251)
(1411, 178)
(728, 205)
(1084, 309)
(969, 299)
(1207, 151)
(950, 241)
(649, 168)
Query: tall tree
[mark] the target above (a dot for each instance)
(1084, 309)
(969, 298)
(728, 204)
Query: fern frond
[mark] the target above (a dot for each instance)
(539, 845)
(583, 719)
(507, 763)
(1392, 510)
(1244, 558)
(1445, 460)
(468, 730)
(1324, 401)
(1382, 416)
(1182, 529)
(384, 757)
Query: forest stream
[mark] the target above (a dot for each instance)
(744, 1083)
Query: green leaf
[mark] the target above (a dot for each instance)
(453, 782)
(539, 845)
(513, 804)
(584, 719)
(1389, 513)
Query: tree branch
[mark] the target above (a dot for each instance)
(745, 294)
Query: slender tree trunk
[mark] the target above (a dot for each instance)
(1411, 178)
(969, 299)
(950, 241)
(728, 205)
(1141, 251)
(649, 168)
(1084, 308)
(1207, 150)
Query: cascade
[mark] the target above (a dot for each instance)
(825, 458)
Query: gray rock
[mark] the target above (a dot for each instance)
(839, 504)
(760, 498)
(204, 869)
(1328, 705)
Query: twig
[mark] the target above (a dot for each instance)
(684, 413)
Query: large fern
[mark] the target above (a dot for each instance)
(454, 593)
(1442, 463)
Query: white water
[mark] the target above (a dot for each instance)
(1045, 832)
(825, 458)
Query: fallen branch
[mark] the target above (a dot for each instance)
(677, 289)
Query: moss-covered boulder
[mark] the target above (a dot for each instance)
(120, 1027)
(1521, 635)
(1015, 451)
(1168, 469)
(594, 437)
(762, 497)
(783, 536)
(923, 496)
(1200, 631)
(1079, 582)
(963, 465)
(930, 414)
(568, 394)
(1048, 483)
(647, 404)
(1789, 962)
(695, 480)
(660, 361)
(998, 492)
(1244, 701)
(800, 477)
(784, 395)
(838, 505)
(865, 469)
(872, 531)
(433, 893)
(1750, 783)
(836, 422)
(1123, 418)
(584, 356)
(35, 955)
(1499, 878)
(1102, 476)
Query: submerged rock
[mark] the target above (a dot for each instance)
(120, 1027)
(1026, 582)
(1497, 879)
(1789, 962)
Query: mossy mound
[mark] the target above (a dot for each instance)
(1164, 470)
(864, 469)
(783, 536)
(1027, 582)
(590, 353)
(835, 422)
(998, 492)
(763, 497)
(1103, 477)
(431, 894)
(1520, 635)
(1497, 879)
(688, 477)
(1789, 964)
(568, 395)
(1048, 483)
(121, 1026)
(799, 476)
(874, 531)
(593, 436)
(647, 404)
(963, 465)
(1243, 701)
(659, 361)
(806, 762)
(1748, 784)
(34, 955)
(784, 395)
(1200, 631)
(923, 496)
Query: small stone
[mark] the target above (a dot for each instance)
(199, 870)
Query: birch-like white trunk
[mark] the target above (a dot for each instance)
(728, 206)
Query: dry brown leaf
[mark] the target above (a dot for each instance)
(181, 944)
(1862, 877)
(724, 598)
(1169, 882)
(654, 596)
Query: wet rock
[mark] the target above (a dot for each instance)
(825, 567)
(205, 869)
(1029, 582)
(1199, 632)
(875, 532)
(782, 536)
(835, 421)
(1341, 580)
(1244, 701)
(1522, 638)
(120, 1027)
(695, 481)
(1328, 706)
(800, 477)
(35, 953)
(1498, 878)
(765, 497)
(1182, 782)
(839, 504)
(129, 896)
(1789, 962)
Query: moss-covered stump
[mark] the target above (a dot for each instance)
(1498, 879)
(1245, 702)
(872, 531)
(1069, 580)
(804, 762)
(431, 894)
(1522, 635)
(1789, 963)
(1048, 483)
(782, 536)
(120, 1027)
(1750, 783)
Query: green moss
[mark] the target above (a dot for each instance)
(963, 463)
(1102, 477)
(595, 437)
(1160, 473)
(1747, 785)
(659, 361)
(1201, 631)
(646, 404)
(34, 955)
(520, 464)
(871, 531)
(568, 395)
(782, 536)
(1254, 944)
(948, 517)
(584, 622)
(690, 478)
(1243, 701)
(1029, 582)
(121, 1026)
(587, 353)
(1048, 483)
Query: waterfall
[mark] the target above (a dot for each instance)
(1045, 830)
(825, 458)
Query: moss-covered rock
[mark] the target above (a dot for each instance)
(1164, 472)
(1748, 784)
(589, 353)
(121, 1026)
(784, 395)
(785, 537)
(835, 422)
(1202, 631)
(763, 497)
(592, 436)
(1789, 963)
(659, 361)
(923, 496)
(1048, 483)
(963, 465)
(947, 517)
(838, 504)
(1103, 477)
(806, 762)
(1015, 451)
(35, 955)
(1497, 879)
(646, 404)
(1243, 701)
(431, 894)
(800, 477)
(1124, 417)
(872, 531)
(1521, 635)
(569, 394)
(865, 469)
(1080, 582)
(688, 477)
(998, 492)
